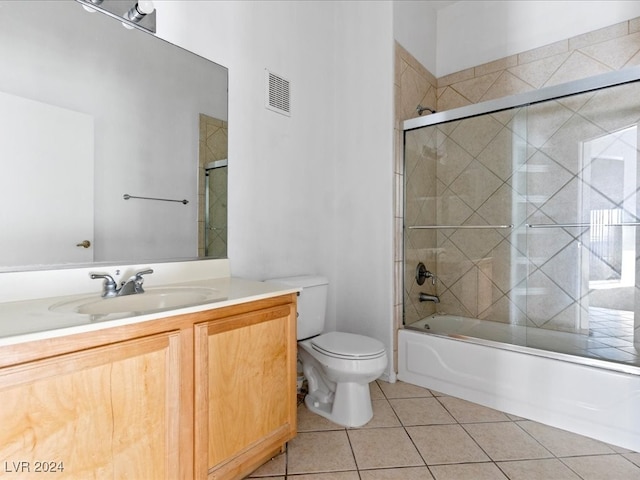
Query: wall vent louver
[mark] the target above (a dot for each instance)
(278, 94)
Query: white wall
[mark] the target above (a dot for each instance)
(364, 222)
(471, 33)
(310, 193)
(415, 28)
(281, 169)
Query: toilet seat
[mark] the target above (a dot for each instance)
(348, 346)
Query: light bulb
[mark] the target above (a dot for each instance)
(139, 11)
(145, 6)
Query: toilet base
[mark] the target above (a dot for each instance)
(351, 405)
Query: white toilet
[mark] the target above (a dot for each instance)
(338, 366)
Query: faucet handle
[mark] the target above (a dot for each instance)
(138, 280)
(422, 274)
(148, 271)
(109, 283)
(108, 279)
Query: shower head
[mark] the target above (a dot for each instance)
(420, 109)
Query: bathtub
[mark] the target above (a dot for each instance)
(467, 358)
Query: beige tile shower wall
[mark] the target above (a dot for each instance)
(550, 253)
(469, 274)
(421, 201)
(551, 163)
(414, 86)
(608, 49)
(480, 269)
(601, 175)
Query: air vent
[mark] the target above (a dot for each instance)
(278, 94)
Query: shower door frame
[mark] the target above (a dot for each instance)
(589, 84)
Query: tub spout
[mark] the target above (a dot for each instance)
(425, 297)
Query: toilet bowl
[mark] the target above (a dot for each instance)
(338, 366)
(338, 377)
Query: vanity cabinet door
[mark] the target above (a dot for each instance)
(245, 390)
(105, 412)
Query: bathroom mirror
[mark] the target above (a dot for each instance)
(107, 135)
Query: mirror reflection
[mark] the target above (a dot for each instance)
(90, 113)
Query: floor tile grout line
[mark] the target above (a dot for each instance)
(571, 469)
(518, 421)
(560, 457)
(509, 420)
(533, 437)
(465, 430)
(286, 459)
(353, 454)
(424, 460)
(457, 422)
(613, 454)
(405, 428)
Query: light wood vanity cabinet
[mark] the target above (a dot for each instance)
(245, 382)
(108, 411)
(210, 394)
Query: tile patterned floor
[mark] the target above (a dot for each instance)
(419, 434)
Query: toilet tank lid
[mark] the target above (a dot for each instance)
(302, 281)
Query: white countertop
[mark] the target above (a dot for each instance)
(32, 319)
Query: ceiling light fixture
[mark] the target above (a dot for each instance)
(140, 10)
(92, 2)
(141, 15)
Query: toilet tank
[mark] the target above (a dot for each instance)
(312, 302)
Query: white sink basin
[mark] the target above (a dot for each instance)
(153, 299)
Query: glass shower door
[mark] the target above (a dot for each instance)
(582, 189)
(526, 220)
(465, 213)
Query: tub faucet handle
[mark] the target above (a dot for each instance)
(422, 274)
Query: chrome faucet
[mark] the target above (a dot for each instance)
(425, 297)
(132, 286)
